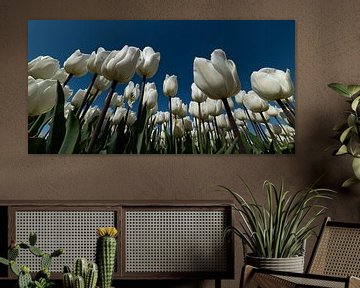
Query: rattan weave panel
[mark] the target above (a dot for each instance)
(175, 241)
(338, 253)
(304, 282)
(75, 231)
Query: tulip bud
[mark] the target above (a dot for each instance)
(43, 67)
(272, 84)
(253, 102)
(217, 78)
(131, 93)
(78, 98)
(101, 83)
(150, 95)
(170, 86)
(91, 114)
(178, 129)
(42, 95)
(119, 115)
(176, 105)
(240, 114)
(120, 65)
(67, 109)
(196, 94)
(76, 64)
(117, 100)
(96, 60)
(223, 121)
(60, 75)
(273, 111)
(240, 96)
(188, 124)
(148, 62)
(214, 107)
(131, 118)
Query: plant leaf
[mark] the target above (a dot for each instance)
(340, 88)
(57, 127)
(345, 134)
(72, 134)
(349, 182)
(342, 150)
(355, 103)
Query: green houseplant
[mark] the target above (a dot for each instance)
(348, 132)
(275, 233)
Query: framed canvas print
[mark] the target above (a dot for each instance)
(161, 87)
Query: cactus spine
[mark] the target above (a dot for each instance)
(91, 276)
(68, 280)
(80, 268)
(106, 254)
(24, 278)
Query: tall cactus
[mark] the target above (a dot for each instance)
(79, 282)
(81, 266)
(106, 254)
(91, 276)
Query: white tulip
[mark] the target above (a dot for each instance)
(230, 102)
(170, 86)
(150, 96)
(131, 118)
(240, 114)
(167, 116)
(78, 98)
(148, 62)
(253, 102)
(196, 94)
(239, 97)
(184, 110)
(119, 115)
(256, 117)
(214, 107)
(160, 117)
(188, 124)
(60, 75)
(131, 93)
(117, 100)
(43, 67)
(178, 129)
(67, 91)
(217, 78)
(91, 114)
(273, 111)
(42, 95)
(272, 84)
(223, 121)
(176, 105)
(76, 64)
(101, 83)
(120, 65)
(96, 59)
(67, 109)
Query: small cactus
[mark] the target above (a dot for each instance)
(79, 282)
(24, 280)
(106, 254)
(83, 274)
(45, 261)
(32, 239)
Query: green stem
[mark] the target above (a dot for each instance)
(234, 126)
(289, 116)
(88, 104)
(268, 127)
(102, 117)
(87, 94)
(68, 79)
(140, 108)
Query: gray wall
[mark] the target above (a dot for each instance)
(327, 50)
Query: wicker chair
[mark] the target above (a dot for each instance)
(334, 263)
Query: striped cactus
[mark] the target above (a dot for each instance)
(68, 280)
(91, 276)
(81, 265)
(106, 254)
(79, 282)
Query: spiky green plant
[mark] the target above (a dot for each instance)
(279, 229)
(84, 275)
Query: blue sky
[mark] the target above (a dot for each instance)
(250, 44)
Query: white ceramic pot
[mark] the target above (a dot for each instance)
(291, 264)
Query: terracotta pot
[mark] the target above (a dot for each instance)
(291, 264)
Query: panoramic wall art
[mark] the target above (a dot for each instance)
(161, 87)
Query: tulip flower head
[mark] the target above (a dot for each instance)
(178, 129)
(240, 114)
(272, 84)
(78, 98)
(170, 86)
(176, 105)
(253, 102)
(131, 93)
(218, 77)
(96, 59)
(42, 95)
(120, 65)
(240, 96)
(101, 83)
(196, 94)
(117, 100)
(43, 67)
(148, 62)
(150, 95)
(119, 115)
(76, 64)
(60, 75)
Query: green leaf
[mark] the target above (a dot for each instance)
(340, 88)
(345, 134)
(349, 182)
(355, 103)
(342, 150)
(4, 261)
(72, 134)
(36, 145)
(57, 127)
(354, 90)
(36, 125)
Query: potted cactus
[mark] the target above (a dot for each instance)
(106, 254)
(42, 278)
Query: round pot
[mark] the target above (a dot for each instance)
(291, 264)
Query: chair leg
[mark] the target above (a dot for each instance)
(217, 283)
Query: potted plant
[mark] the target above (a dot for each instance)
(349, 131)
(275, 233)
